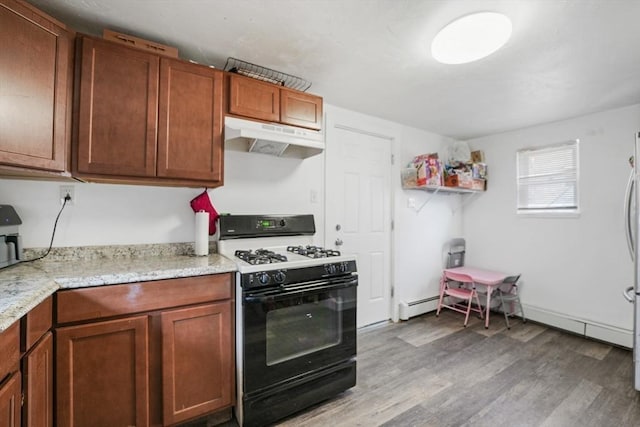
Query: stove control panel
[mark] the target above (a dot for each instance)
(277, 277)
(264, 278)
(337, 268)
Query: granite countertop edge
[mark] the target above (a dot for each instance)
(23, 287)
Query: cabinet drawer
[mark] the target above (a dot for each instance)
(107, 301)
(9, 350)
(36, 323)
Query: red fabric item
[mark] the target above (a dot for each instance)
(202, 202)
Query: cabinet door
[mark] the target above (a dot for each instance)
(35, 73)
(300, 109)
(190, 122)
(10, 397)
(37, 368)
(102, 374)
(252, 98)
(118, 110)
(197, 361)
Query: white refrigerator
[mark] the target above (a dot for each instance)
(632, 219)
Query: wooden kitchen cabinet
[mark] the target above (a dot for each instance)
(102, 372)
(300, 109)
(191, 116)
(37, 372)
(146, 119)
(256, 99)
(150, 353)
(35, 86)
(196, 380)
(10, 397)
(10, 378)
(117, 110)
(36, 343)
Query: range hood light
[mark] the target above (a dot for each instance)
(268, 147)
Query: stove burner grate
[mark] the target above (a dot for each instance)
(313, 251)
(260, 256)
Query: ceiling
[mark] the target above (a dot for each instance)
(566, 58)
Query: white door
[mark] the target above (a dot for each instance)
(358, 212)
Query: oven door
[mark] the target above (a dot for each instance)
(298, 329)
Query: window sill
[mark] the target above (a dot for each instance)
(549, 214)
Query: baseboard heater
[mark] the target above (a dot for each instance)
(583, 327)
(416, 308)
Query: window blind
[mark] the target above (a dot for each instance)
(548, 178)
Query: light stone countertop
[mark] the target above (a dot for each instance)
(24, 286)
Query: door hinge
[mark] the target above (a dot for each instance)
(393, 225)
(393, 159)
(392, 291)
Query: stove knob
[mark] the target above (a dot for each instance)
(331, 268)
(263, 278)
(343, 267)
(279, 276)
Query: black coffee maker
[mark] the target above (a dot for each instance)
(10, 240)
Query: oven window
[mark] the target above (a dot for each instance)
(303, 325)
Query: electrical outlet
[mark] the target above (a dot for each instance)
(67, 190)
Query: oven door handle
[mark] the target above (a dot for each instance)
(287, 292)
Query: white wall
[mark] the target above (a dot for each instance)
(574, 267)
(421, 233)
(112, 214)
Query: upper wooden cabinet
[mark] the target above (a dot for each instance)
(265, 101)
(253, 98)
(35, 84)
(300, 109)
(191, 116)
(142, 118)
(118, 113)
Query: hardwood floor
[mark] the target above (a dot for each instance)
(431, 371)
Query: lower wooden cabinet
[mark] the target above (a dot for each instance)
(102, 373)
(37, 371)
(149, 362)
(196, 378)
(10, 401)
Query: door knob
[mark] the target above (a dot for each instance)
(627, 294)
(339, 242)
(338, 227)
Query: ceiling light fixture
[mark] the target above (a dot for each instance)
(471, 37)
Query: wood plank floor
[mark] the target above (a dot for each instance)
(431, 371)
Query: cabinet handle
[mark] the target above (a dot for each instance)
(126, 40)
(150, 46)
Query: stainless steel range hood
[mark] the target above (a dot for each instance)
(270, 138)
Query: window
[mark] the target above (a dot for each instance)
(548, 179)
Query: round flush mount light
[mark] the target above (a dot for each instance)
(471, 37)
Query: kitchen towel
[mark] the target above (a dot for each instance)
(202, 202)
(202, 233)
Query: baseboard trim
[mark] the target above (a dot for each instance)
(584, 327)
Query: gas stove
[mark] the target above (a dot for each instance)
(259, 243)
(295, 316)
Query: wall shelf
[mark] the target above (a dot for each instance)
(435, 189)
(443, 189)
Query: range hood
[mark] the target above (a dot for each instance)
(270, 138)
